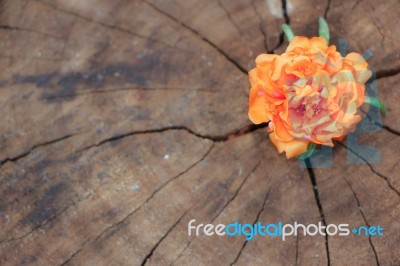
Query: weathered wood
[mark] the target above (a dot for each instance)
(119, 125)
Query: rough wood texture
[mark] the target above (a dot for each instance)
(121, 121)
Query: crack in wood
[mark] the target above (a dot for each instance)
(76, 252)
(354, 7)
(327, 9)
(365, 220)
(147, 258)
(14, 28)
(237, 191)
(297, 250)
(228, 15)
(388, 182)
(149, 131)
(385, 73)
(34, 147)
(286, 18)
(280, 43)
(237, 133)
(262, 30)
(285, 12)
(385, 127)
(319, 205)
(180, 254)
(390, 130)
(203, 38)
(255, 221)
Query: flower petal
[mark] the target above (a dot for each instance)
(298, 42)
(282, 133)
(292, 148)
(318, 44)
(257, 110)
(265, 58)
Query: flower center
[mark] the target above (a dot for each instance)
(316, 108)
(300, 110)
(313, 106)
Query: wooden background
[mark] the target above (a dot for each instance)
(123, 120)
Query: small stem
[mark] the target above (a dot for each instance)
(288, 32)
(376, 103)
(323, 29)
(308, 153)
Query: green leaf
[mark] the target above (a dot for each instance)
(288, 32)
(308, 153)
(323, 29)
(377, 103)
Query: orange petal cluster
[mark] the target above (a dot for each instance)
(310, 93)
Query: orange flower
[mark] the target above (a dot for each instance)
(310, 93)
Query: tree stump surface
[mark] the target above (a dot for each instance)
(124, 120)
